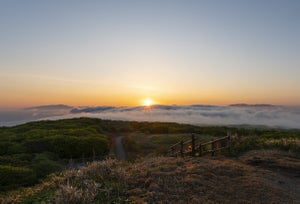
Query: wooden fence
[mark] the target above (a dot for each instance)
(192, 148)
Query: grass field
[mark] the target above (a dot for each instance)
(263, 163)
(139, 145)
(264, 174)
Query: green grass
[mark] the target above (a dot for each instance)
(41, 148)
(38, 149)
(144, 180)
(285, 141)
(139, 145)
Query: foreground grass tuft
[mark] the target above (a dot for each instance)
(169, 180)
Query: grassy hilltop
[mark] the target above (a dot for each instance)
(264, 176)
(262, 162)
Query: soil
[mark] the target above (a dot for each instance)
(119, 149)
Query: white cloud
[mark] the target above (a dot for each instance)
(288, 117)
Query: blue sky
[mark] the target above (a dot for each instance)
(174, 52)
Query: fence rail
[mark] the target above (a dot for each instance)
(191, 148)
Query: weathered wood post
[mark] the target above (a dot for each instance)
(213, 148)
(200, 150)
(229, 141)
(193, 145)
(172, 151)
(181, 148)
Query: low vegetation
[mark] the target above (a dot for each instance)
(165, 180)
(279, 140)
(261, 162)
(40, 148)
(139, 145)
(30, 152)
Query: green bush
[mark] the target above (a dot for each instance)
(43, 165)
(44, 146)
(11, 148)
(77, 147)
(279, 140)
(16, 159)
(38, 145)
(12, 177)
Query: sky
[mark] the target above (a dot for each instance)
(120, 52)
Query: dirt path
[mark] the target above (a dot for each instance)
(119, 149)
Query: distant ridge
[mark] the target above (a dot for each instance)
(55, 106)
(251, 105)
(92, 109)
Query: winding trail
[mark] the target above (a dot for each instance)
(119, 149)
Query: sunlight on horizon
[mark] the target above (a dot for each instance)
(148, 102)
(117, 54)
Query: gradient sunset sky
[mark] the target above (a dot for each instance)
(171, 51)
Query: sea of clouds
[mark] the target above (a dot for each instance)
(238, 114)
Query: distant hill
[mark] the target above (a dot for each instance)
(251, 105)
(48, 107)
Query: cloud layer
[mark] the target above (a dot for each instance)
(239, 114)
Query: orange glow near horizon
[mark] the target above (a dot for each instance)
(147, 102)
(109, 54)
(22, 101)
(20, 92)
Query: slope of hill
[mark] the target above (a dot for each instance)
(173, 180)
(29, 152)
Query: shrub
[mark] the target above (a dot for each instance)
(100, 182)
(12, 177)
(43, 165)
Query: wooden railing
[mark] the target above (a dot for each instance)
(191, 148)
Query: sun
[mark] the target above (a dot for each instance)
(147, 102)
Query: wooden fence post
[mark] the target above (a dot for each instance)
(181, 148)
(200, 150)
(213, 148)
(193, 145)
(229, 141)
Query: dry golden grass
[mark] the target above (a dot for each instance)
(99, 181)
(172, 180)
(204, 180)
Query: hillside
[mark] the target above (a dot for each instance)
(175, 180)
(31, 151)
(263, 163)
